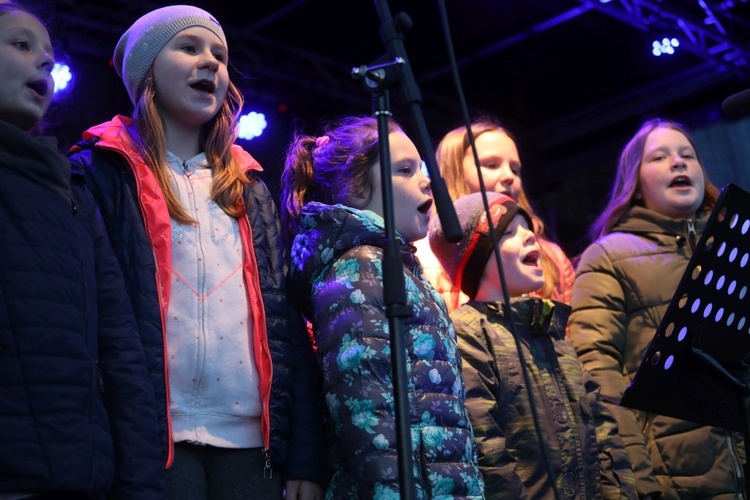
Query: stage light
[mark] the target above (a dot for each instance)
(252, 125)
(61, 75)
(664, 46)
(425, 170)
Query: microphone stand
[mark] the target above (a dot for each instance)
(388, 70)
(392, 34)
(507, 309)
(377, 79)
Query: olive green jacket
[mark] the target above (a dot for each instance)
(580, 452)
(624, 283)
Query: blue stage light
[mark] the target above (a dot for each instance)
(252, 125)
(664, 46)
(62, 76)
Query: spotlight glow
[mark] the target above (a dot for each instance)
(252, 125)
(664, 46)
(61, 75)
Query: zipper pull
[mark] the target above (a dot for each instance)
(267, 470)
(691, 233)
(186, 169)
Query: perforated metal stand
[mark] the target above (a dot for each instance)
(697, 365)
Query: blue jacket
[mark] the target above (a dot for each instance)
(138, 225)
(337, 261)
(76, 405)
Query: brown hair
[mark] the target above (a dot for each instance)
(623, 194)
(217, 137)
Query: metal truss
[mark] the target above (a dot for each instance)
(716, 32)
(711, 30)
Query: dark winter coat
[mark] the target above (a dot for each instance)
(76, 405)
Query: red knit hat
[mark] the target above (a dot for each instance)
(464, 262)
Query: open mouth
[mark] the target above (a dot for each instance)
(40, 86)
(425, 207)
(681, 181)
(204, 86)
(531, 258)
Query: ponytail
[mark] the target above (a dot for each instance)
(332, 169)
(298, 182)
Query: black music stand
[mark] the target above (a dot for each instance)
(697, 365)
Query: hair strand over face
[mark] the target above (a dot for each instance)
(217, 138)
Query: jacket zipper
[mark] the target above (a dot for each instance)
(97, 382)
(267, 470)
(254, 281)
(159, 287)
(266, 391)
(558, 381)
(646, 427)
(98, 385)
(691, 234)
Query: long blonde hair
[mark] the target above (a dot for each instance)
(450, 155)
(623, 194)
(216, 139)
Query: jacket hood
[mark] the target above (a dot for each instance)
(539, 315)
(329, 231)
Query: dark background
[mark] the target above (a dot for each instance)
(572, 79)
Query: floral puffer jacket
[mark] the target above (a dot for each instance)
(337, 270)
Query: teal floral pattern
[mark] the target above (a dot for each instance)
(336, 268)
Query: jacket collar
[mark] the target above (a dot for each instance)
(533, 311)
(113, 134)
(36, 158)
(641, 220)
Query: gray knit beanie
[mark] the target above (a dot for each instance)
(142, 42)
(464, 262)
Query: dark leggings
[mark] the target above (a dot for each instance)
(210, 473)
